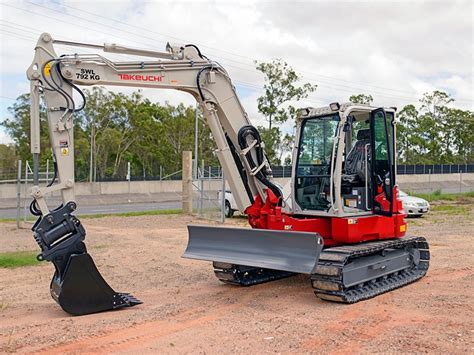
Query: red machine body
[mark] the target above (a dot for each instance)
(334, 230)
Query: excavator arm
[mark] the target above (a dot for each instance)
(181, 68)
(77, 285)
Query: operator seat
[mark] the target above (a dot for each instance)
(355, 160)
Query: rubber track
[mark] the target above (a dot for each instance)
(327, 281)
(246, 275)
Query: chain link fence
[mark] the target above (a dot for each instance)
(209, 199)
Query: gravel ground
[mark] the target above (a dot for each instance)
(187, 310)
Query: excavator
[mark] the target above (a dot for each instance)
(339, 220)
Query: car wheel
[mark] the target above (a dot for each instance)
(229, 212)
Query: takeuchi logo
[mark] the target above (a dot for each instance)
(139, 77)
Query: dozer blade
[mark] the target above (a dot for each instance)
(278, 250)
(82, 290)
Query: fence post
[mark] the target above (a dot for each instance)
(47, 171)
(18, 195)
(161, 172)
(128, 179)
(26, 190)
(187, 182)
(460, 181)
(196, 143)
(429, 179)
(201, 190)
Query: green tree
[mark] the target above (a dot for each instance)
(286, 147)
(8, 161)
(280, 89)
(17, 125)
(119, 129)
(409, 143)
(463, 134)
(436, 133)
(361, 99)
(271, 138)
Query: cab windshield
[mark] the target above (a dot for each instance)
(314, 160)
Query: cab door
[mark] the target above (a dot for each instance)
(383, 176)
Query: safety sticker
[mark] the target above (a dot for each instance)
(47, 69)
(64, 151)
(63, 144)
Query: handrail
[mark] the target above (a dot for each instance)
(366, 176)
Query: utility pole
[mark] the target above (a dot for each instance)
(196, 143)
(91, 165)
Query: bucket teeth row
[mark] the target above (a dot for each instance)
(129, 300)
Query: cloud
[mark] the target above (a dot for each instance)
(5, 138)
(393, 50)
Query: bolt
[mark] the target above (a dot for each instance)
(50, 219)
(35, 75)
(46, 38)
(67, 73)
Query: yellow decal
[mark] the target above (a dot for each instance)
(64, 151)
(352, 221)
(47, 69)
(403, 228)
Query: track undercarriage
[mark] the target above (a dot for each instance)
(351, 273)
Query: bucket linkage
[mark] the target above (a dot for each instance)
(77, 286)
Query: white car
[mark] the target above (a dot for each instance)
(230, 206)
(413, 206)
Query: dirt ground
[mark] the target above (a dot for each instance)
(187, 310)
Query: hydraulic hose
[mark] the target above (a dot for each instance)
(261, 175)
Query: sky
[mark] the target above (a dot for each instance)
(392, 50)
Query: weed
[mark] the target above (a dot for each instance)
(18, 258)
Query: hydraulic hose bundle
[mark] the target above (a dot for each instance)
(262, 175)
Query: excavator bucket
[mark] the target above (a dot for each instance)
(77, 285)
(82, 289)
(270, 249)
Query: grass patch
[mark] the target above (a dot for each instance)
(134, 214)
(450, 209)
(122, 214)
(18, 259)
(438, 196)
